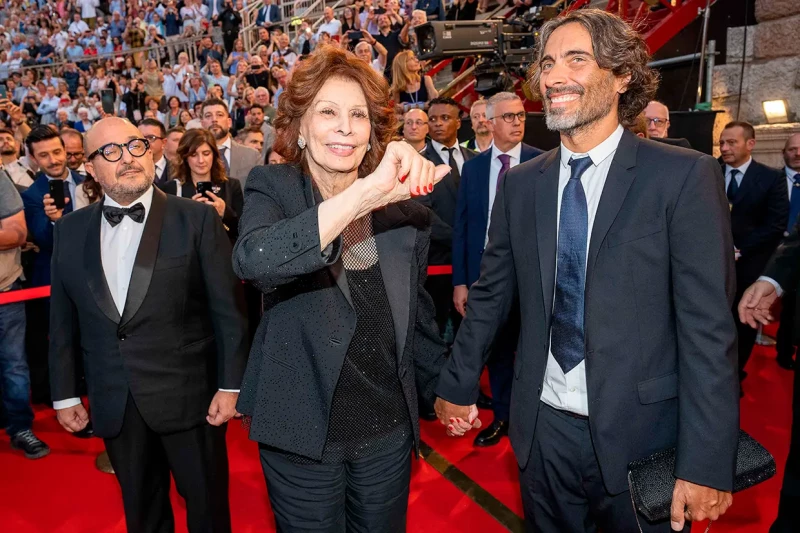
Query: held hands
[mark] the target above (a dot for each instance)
(401, 174)
(74, 418)
(696, 503)
(222, 408)
(756, 302)
(50, 209)
(458, 418)
(216, 202)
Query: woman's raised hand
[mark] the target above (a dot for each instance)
(403, 173)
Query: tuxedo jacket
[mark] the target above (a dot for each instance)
(41, 227)
(472, 215)
(243, 160)
(660, 341)
(442, 202)
(759, 216)
(182, 334)
(309, 319)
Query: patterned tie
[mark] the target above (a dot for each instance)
(505, 164)
(566, 334)
(222, 151)
(69, 205)
(453, 163)
(114, 215)
(794, 203)
(733, 186)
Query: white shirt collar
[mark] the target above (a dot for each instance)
(515, 152)
(161, 162)
(146, 199)
(439, 147)
(742, 168)
(600, 152)
(790, 173)
(226, 144)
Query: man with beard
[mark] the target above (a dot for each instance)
(19, 173)
(393, 41)
(238, 160)
(619, 252)
(163, 343)
(255, 117)
(483, 135)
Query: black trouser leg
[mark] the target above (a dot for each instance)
(141, 467)
(785, 338)
(562, 488)
(441, 290)
(789, 506)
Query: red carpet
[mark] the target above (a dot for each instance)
(64, 493)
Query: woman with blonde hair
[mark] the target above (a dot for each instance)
(410, 89)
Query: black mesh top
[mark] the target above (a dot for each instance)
(369, 411)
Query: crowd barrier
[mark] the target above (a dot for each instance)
(22, 295)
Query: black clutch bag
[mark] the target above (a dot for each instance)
(651, 480)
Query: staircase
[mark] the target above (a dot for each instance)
(658, 21)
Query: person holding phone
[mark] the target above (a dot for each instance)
(200, 175)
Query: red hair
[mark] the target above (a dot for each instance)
(308, 78)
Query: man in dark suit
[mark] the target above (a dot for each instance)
(785, 343)
(268, 14)
(155, 309)
(156, 134)
(759, 207)
(482, 177)
(443, 149)
(619, 252)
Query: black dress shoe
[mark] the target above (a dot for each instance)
(492, 435)
(484, 402)
(85, 433)
(786, 363)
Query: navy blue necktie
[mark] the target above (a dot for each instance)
(566, 335)
(794, 203)
(733, 186)
(69, 205)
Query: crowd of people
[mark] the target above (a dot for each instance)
(329, 182)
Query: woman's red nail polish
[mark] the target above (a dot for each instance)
(403, 178)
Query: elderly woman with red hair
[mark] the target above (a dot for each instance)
(339, 250)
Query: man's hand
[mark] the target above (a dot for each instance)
(222, 408)
(74, 418)
(458, 418)
(460, 293)
(50, 209)
(697, 503)
(756, 302)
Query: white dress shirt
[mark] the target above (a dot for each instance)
(441, 149)
(227, 145)
(567, 392)
(19, 173)
(160, 164)
(739, 176)
(494, 172)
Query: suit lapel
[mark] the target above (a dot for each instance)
(749, 182)
(395, 251)
(619, 179)
(546, 211)
(145, 257)
(93, 264)
(431, 155)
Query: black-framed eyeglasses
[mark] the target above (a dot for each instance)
(658, 122)
(153, 138)
(112, 152)
(509, 117)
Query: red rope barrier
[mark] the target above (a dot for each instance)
(11, 297)
(23, 295)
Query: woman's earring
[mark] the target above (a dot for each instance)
(301, 143)
(369, 147)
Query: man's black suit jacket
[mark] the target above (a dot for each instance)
(659, 335)
(182, 334)
(442, 202)
(759, 216)
(309, 320)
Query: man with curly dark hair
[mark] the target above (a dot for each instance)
(619, 253)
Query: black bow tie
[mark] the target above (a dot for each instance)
(114, 215)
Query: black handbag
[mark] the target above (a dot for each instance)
(651, 480)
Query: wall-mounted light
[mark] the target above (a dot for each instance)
(775, 111)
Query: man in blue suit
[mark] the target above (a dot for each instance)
(268, 14)
(480, 180)
(46, 147)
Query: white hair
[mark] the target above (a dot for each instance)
(476, 103)
(422, 13)
(365, 43)
(496, 99)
